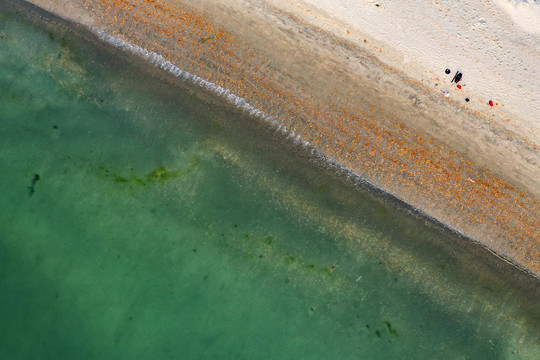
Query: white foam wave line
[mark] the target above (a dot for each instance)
(160, 62)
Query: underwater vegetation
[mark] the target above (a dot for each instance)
(159, 175)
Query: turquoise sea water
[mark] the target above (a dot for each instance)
(138, 221)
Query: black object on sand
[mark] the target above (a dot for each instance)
(457, 77)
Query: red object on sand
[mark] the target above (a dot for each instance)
(490, 103)
(459, 86)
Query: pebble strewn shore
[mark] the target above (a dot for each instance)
(354, 119)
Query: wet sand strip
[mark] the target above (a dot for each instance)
(364, 137)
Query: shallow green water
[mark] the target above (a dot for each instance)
(139, 222)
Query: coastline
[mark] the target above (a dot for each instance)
(316, 124)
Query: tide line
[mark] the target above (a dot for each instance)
(160, 62)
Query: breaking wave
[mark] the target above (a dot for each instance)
(160, 62)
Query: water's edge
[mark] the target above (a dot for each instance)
(526, 281)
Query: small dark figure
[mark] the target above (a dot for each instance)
(457, 77)
(447, 71)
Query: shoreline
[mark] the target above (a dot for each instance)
(335, 161)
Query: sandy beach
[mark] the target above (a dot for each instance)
(364, 84)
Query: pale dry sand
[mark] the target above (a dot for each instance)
(420, 52)
(363, 102)
(496, 44)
